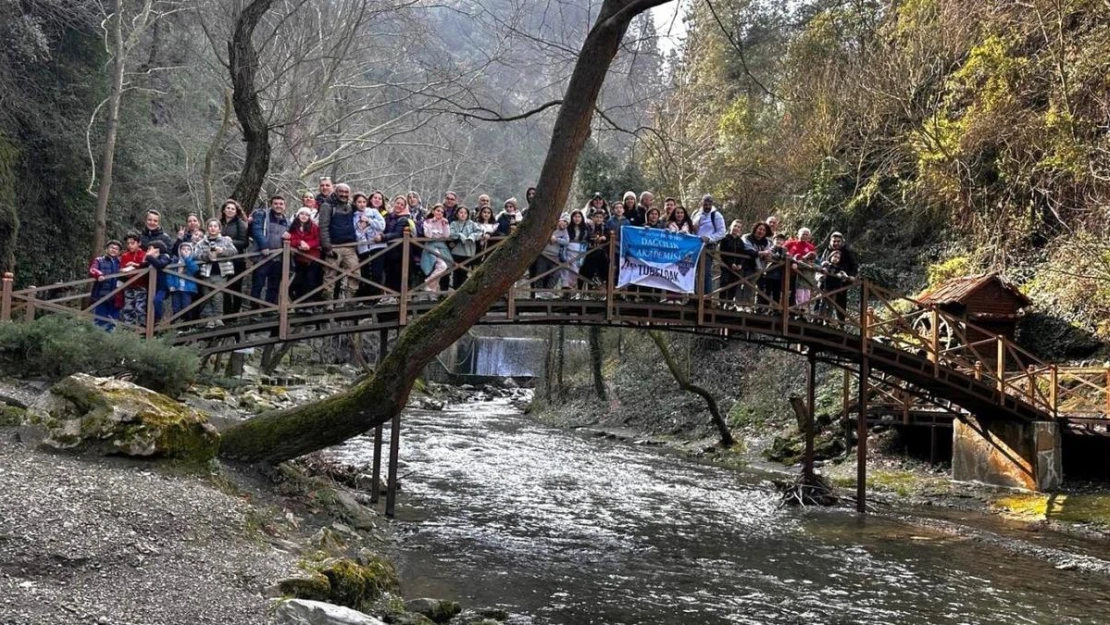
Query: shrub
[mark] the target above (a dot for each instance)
(55, 347)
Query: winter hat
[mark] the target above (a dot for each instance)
(629, 194)
(181, 249)
(836, 234)
(113, 242)
(158, 245)
(304, 209)
(511, 200)
(565, 217)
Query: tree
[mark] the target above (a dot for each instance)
(243, 64)
(120, 42)
(686, 385)
(287, 434)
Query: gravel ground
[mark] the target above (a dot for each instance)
(116, 542)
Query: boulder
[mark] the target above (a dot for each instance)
(112, 417)
(437, 610)
(305, 612)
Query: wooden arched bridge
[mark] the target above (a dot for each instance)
(894, 341)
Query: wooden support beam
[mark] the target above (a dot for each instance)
(6, 298)
(376, 473)
(394, 455)
(861, 436)
(811, 408)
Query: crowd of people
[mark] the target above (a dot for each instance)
(340, 248)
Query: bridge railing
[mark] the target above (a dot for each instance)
(292, 285)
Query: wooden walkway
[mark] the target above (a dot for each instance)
(893, 339)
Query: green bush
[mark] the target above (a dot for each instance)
(55, 347)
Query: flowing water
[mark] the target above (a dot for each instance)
(568, 529)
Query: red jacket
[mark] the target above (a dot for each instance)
(798, 249)
(312, 238)
(136, 258)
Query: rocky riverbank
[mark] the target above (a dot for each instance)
(91, 538)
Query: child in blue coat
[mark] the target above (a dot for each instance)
(182, 289)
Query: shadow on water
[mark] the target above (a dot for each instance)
(499, 511)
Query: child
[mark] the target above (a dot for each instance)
(133, 311)
(212, 260)
(804, 254)
(158, 258)
(772, 279)
(182, 290)
(103, 269)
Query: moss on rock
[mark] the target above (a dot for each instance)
(113, 417)
(343, 581)
(11, 416)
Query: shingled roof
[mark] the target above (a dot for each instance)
(959, 290)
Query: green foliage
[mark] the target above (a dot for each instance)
(55, 347)
(601, 172)
(952, 268)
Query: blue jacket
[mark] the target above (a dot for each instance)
(103, 266)
(175, 278)
(267, 228)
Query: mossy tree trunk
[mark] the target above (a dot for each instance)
(685, 384)
(287, 434)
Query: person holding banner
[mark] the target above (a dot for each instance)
(710, 227)
(578, 238)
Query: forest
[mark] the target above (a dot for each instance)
(942, 137)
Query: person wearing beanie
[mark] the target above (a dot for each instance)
(632, 209)
(103, 270)
(508, 219)
(554, 253)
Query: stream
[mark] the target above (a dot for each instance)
(558, 527)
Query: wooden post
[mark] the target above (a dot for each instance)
(935, 341)
(811, 408)
(6, 298)
(394, 454)
(151, 290)
(376, 473)
(1000, 366)
(784, 298)
(30, 310)
(846, 396)
(861, 436)
(283, 295)
(1054, 389)
(610, 280)
(699, 287)
(979, 370)
(864, 296)
(403, 304)
(1107, 391)
(1031, 385)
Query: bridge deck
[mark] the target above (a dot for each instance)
(897, 336)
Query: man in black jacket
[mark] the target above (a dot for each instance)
(152, 231)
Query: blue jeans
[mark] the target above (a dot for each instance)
(707, 284)
(267, 276)
(106, 315)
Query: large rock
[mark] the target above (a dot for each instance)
(437, 610)
(112, 417)
(304, 612)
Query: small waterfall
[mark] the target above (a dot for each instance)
(506, 356)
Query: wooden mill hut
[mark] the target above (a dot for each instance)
(987, 301)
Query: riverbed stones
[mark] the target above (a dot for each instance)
(306, 612)
(105, 416)
(438, 610)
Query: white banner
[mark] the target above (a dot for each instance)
(659, 258)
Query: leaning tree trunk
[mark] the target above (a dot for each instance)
(286, 434)
(243, 64)
(685, 384)
(596, 358)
